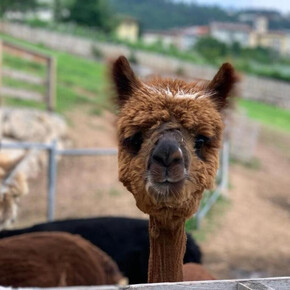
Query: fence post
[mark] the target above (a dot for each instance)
(225, 168)
(1, 98)
(52, 171)
(51, 84)
(1, 63)
(198, 219)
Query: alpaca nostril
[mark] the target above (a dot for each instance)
(176, 157)
(160, 158)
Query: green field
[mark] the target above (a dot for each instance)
(83, 81)
(268, 115)
(79, 80)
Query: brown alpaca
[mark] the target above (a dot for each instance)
(54, 259)
(169, 135)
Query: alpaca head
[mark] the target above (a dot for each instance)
(169, 137)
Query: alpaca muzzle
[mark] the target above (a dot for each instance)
(166, 168)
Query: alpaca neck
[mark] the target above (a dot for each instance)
(167, 248)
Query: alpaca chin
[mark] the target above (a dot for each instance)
(165, 191)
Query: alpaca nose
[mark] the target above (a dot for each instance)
(167, 152)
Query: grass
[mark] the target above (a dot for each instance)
(269, 115)
(22, 85)
(78, 79)
(253, 164)
(265, 65)
(210, 222)
(81, 81)
(24, 65)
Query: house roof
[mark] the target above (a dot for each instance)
(276, 32)
(231, 26)
(191, 30)
(127, 19)
(170, 32)
(195, 30)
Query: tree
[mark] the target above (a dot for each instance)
(165, 14)
(57, 8)
(236, 48)
(17, 5)
(211, 48)
(93, 13)
(61, 8)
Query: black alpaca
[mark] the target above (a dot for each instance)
(126, 240)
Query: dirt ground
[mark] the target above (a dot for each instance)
(253, 237)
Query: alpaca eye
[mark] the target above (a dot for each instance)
(133, 143)
(200, 141)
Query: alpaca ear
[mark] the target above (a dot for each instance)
(124, 79)
(222, 84)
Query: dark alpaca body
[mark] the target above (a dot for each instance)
(54, 259)
(126, 240)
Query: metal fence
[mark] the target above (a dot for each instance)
(52, 169)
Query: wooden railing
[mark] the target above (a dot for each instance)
(280, 283)
(48, 81)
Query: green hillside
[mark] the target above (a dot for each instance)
(164, 14)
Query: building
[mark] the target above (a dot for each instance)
(276, 40)
(227, 32)
(230, 33)
(182, 38)
(128, 29)
(43, 12)
(255, 36)
(166, 38)
(188, 36)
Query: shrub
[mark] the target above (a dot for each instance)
(97, 53)
(132, 57)
(211, 48)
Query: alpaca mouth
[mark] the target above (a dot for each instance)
(166, 189)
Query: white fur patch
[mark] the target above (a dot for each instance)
(179, 94)
(188, 95)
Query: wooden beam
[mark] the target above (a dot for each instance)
(49, 81)
(1, 63)
(22, 76)
(1, 98)
(21, 94)
(274, 283)
(253, 286)
(51, 84)
(25, 53)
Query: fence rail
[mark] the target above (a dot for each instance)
(277, 283)
(48, 82)
(54, 152)
(21, 76)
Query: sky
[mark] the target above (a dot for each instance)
(280, 5)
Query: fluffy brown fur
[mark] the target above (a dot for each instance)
(52, 260)
(195, 272)
(169, 112)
